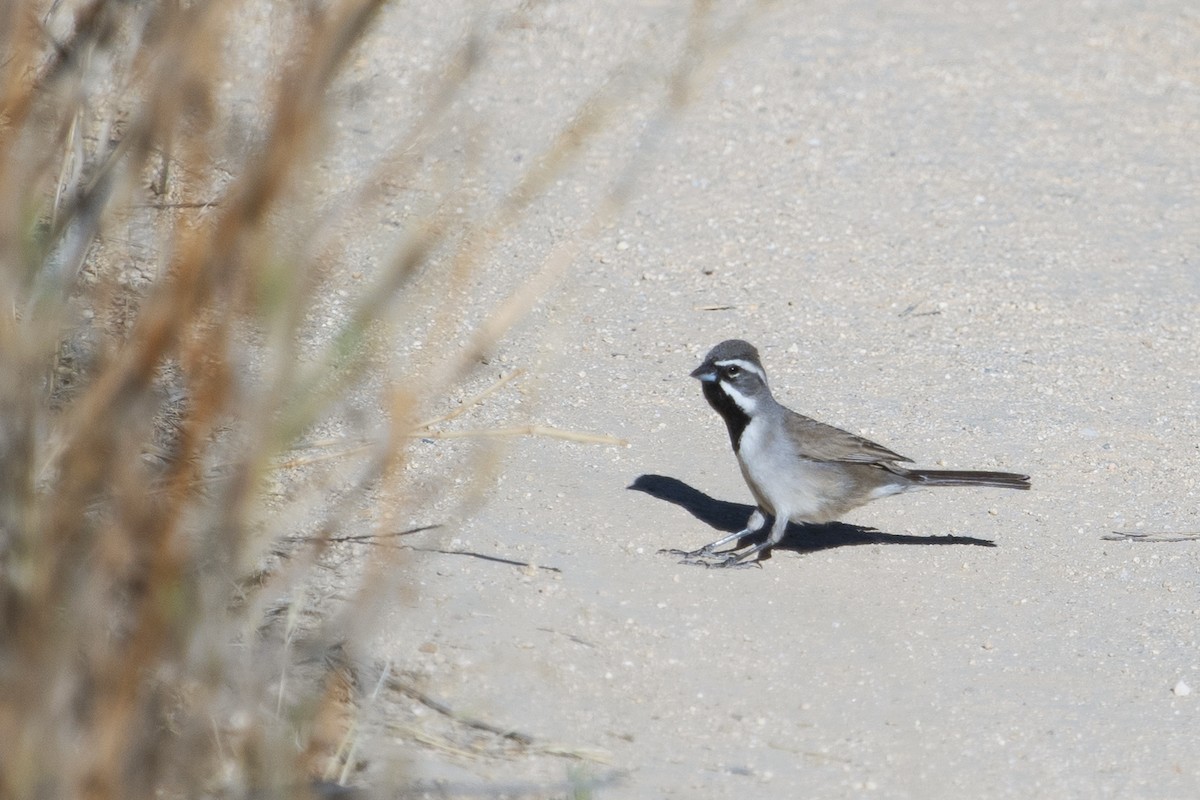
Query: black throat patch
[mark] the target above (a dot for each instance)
(735, 418)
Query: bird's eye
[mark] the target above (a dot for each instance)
(732, 370)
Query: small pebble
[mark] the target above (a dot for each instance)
(1182, 689)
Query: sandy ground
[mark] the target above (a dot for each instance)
(967, 230)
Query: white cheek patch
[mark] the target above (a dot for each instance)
(744, 402)
(748, 366)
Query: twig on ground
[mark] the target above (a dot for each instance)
(573, 788)
(407, 689)
(356, 446)
(483, 556)
(474, 401)
(365, 538)
(1138, 536)
(432, 740)
(525, 430)
(376, 539)
(571, 636)
(580, 753)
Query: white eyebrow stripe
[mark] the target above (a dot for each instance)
(749, 366)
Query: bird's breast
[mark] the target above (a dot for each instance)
(783, 483)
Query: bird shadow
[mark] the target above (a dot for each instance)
(800, 538)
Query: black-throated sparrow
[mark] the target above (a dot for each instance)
(799, 469)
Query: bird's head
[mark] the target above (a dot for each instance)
(733, 369)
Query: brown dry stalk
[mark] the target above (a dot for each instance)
(467, 405)
(162, 261)
(524, 430)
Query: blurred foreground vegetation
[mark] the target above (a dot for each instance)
(162, 258)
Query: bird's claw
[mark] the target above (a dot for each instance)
(699, 558)
(735, 562)
(703, 552)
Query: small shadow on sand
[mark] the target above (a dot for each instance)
(730, 517)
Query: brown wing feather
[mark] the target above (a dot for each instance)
(820, 442)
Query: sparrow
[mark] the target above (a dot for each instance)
(798, 469)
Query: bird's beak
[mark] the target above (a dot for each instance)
(705, 372)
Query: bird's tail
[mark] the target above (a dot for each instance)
(947, 477)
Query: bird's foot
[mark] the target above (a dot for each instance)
(705, 555)
(707, 561)
(703, 552)
(734, 562)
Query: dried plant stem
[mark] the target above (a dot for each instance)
(405, 688)
(474, 401)
(525, 430)
(1151, 537)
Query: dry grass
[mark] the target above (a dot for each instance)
(161, 616)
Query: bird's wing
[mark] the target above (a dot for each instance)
(820, 442)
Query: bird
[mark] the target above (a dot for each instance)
(799, 469)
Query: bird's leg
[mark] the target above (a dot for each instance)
(742, 560)
(753, 525)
